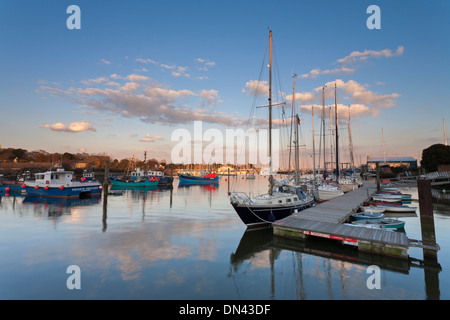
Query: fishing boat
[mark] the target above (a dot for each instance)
(367, 216)
(385, 223)
(88, 175)
(268, 208)
(139, 174)
(142, 183)
(60, 183)
(136, 178)
(198, 179)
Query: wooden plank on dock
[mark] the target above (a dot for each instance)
(339, 209)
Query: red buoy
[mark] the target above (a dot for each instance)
(24, 186)
(36, 187)
(62, 187)
(46, 188)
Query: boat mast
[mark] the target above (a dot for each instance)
(331, 137)
(337, 133)
(314, 148)
(384, 145)
(270, 114)
(323, 129)
(297, 178)
(350, 143)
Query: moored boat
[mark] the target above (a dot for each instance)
(273, 206)
(387, 198)
(379, 209)
(146, 182)
(401, 208)
(198, 179)
(327, 192)
(385, 223)
(367, 215)
(59, 183)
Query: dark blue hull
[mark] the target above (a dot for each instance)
(67, 192)
(266, 215)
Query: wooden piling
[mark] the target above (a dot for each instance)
(426, 217)
(378, 176)
(105, 196)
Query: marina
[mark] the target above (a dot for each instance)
(225, 152)
(187, 242)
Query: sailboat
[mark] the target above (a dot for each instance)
(265, 209)
(350, 183)
(327, 190)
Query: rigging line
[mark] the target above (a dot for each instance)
(254, 102)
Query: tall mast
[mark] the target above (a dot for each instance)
(323, 128)
(384, 145)
(445, 133)
(350, 143)
(297, 179)
(270, 114)
(331, 138)
(337, 133)
(314, 148)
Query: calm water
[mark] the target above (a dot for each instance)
(188, 243)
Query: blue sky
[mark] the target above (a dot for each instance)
(137, 70)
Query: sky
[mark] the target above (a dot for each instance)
(136, 71)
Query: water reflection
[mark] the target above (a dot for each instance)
(337, 266)
(188, 243)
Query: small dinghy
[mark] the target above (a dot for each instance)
(367, 216)
(373, 209)
(381, 223)
(394, 208)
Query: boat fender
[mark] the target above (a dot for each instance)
(46, 188)
(62, 187)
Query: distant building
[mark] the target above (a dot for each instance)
(408, 162)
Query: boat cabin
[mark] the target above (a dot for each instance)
(138, 174)
(60, 176)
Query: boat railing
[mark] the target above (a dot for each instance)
(235, 196)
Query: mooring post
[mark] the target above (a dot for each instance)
(426, 216)
(228, 180)
(105, 196)
(432, 266)
(378, 176)
(106, 179)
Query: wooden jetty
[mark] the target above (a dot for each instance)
(326, 220)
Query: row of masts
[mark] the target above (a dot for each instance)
(295, 117)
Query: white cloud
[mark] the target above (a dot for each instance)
(73, 127)
(209, 97)
(103, 61)
(352, 58)
(256, 88)
(364, 55)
